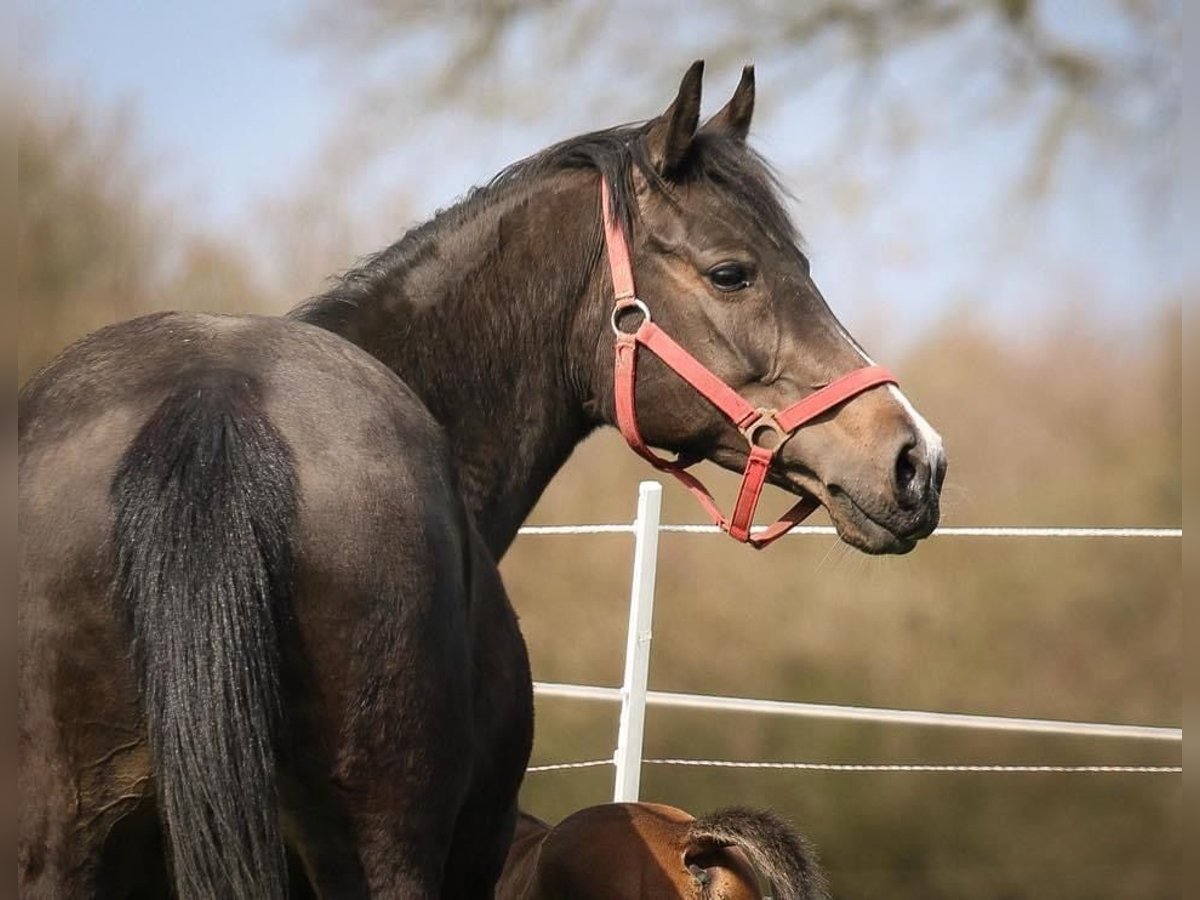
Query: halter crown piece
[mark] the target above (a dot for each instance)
(753, 422)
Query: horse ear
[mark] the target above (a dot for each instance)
(734, 117)
(670, 135)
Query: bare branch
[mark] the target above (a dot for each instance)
(1129, 81)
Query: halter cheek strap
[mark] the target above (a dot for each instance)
(755, 424)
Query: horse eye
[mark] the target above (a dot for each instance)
(728, 277)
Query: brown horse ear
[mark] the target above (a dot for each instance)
(671, 134)
(734, 117)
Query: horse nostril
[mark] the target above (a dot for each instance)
(907, 468)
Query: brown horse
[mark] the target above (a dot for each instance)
(261, 623)
(647, 851)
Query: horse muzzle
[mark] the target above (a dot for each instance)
(882, 492)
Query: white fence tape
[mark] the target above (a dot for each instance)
(1001, 531)
(865, 713)
(876, 767)
(633, 695)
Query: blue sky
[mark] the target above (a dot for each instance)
(232, 114)
(229, 112)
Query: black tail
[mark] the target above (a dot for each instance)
(773, 847)
(205, 499)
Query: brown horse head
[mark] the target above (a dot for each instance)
(718, 263)
(648, 851)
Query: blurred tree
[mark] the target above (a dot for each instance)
(319, 226)
(95, 244)
(89, 248)
(1110, 79)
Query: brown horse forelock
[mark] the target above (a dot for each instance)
(638, 851)
(495, 313)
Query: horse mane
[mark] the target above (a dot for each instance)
(745, 179)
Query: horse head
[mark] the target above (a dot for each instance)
(719, 268)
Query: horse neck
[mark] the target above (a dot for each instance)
(485, 321)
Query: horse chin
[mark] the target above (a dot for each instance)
(857, 527)
(854, 524)
(861, 530)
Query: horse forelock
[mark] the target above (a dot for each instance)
(741, 175)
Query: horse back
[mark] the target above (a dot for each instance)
(375, 485)
(360, 441)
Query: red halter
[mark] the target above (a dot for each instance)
(752, 422)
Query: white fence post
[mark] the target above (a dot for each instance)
(628, 757)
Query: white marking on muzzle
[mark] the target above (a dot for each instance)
(928, 434)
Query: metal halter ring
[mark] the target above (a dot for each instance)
(633, 303)
(765, 422)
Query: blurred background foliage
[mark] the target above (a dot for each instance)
(1056, 416)
(1031, 57)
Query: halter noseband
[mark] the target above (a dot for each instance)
(754, 423)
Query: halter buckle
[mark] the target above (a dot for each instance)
(633, 303)
(762, 426)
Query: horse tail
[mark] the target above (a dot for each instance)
(773, 847)
(204, 502)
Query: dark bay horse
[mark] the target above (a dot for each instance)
(647, 851)
(260, 620)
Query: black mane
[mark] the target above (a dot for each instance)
(746, 179)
